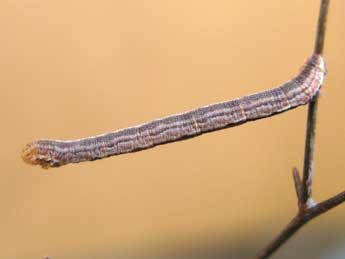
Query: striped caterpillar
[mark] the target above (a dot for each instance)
(298, 91)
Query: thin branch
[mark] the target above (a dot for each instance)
(312, 111)
(308, 209)
(283, 236)
(308, 170)
(302, 217)
(326, 205)
(321, 27)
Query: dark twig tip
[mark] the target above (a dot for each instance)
(298, 184)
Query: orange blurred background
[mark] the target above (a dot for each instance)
(71, 69)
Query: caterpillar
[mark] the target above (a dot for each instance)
(298, 91)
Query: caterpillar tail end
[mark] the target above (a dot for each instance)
(32, 156)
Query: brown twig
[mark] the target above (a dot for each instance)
(298, 183)
(312, 110)
(304, 215)
(307, 208)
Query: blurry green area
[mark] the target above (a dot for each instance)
(71, 69)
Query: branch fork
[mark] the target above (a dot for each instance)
(307, 207)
